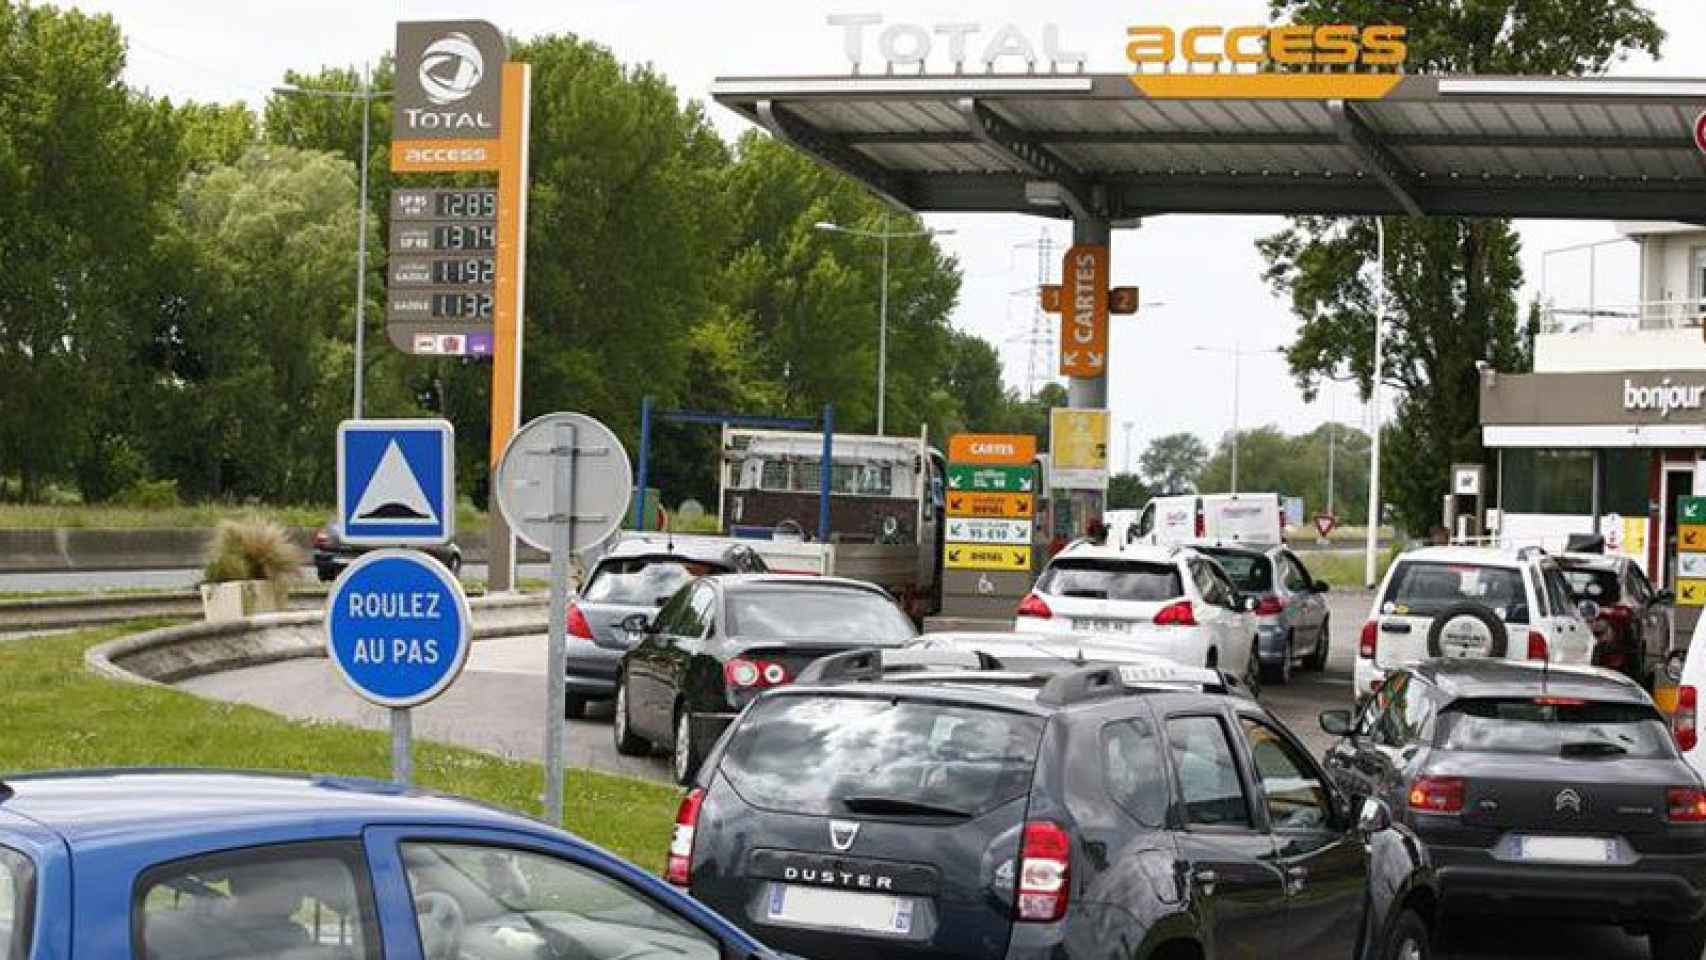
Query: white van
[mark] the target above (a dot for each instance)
(1253, 518)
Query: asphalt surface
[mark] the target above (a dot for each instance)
(498, 706)
(182, 579)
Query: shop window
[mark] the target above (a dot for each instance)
(1624, 484)
(1561, 481)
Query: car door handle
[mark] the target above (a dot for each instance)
(1206, 879)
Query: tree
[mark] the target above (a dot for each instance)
(1270, 461)
(1452, 283)
(1127, 491)
(1173, 463)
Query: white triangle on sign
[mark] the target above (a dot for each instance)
(394, 494)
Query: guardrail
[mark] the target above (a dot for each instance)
(49, 613)
(172, 654)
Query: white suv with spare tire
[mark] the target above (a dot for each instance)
(1471, 602)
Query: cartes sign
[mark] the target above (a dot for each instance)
(1015, 449)
(1084, 311)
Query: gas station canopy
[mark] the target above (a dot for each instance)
(1096, 147)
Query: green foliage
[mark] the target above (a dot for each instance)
(110, 465)
(1173, 463)
(252, 548)
(1452, 282)
(149, 495)
(1297, 466)
(1127, 491)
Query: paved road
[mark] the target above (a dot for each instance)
(498, 706)
(182, 579)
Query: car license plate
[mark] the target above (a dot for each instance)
(868, 912)
(1565, 849)
(1091, 625)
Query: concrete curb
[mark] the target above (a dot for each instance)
(172, 654)
(50, 612)
(71, 549)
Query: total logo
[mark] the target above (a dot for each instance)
(451, 67)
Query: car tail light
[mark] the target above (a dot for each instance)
(578, 627)
(1268, 606)
(1180, 614)
(1045, 872)
(745, 674)
(1033, 606)
(322, 540)
(679, 871)
(1685, 805)
(1437, 794)
(1202, 524)
(1369, 640)
(1682, 722)
(1536, 645)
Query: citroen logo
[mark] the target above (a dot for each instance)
(1567, 799)
(842, 833)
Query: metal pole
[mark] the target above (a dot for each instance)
(361, 243)
(1598, 488)
(1128, 425)
(402, 759)
(562, 546)
(1332, 442)
(1374, 440)
(883, 332)
(827, 466)
(645, 458)
(1237, 374)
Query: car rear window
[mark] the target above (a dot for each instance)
(1588, 583)
(17, 904)
(1555, 727)
(1250, 574)
(1421, 589)
(824, 613)
(840, 756)
(1112, 580)
(643, 581)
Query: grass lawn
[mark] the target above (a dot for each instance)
(1344, 568)
(58, 715)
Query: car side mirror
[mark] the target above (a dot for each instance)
(1664, 597)
(636, 626)
(1588, 610)
(1321, 586)
(1339, 723)
(1373, 818)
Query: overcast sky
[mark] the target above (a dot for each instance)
(1204, 269)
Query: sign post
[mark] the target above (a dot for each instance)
(461, 106)
(398, 630)
(563, 484)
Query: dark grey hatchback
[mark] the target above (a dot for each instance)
(968, 812)
(1514, 789)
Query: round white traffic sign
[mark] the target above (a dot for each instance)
(587, 458)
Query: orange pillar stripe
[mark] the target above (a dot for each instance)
(510, 290)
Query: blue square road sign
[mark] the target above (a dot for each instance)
(396, 482)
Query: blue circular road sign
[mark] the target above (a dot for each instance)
(398, 627)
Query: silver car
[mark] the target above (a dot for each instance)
(1292, 625)
(637, 576)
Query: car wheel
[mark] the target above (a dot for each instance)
(1280, 674)
(1408, 940)
(1253, 671)
(1684, 942)
(685, 759)
(1318, 659)
(627, 743)
(574, 707)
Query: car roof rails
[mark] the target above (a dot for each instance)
(1096, 683)
(873, 663)
(1530, 551)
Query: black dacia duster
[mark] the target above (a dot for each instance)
(931, 804)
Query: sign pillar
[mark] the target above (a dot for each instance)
(562, 544)
(507, 311)
(1088, 392)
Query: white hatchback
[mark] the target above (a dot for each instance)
(1469, 602)
(1171, 602)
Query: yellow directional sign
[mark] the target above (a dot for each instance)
(966, 556)
(1691, 538)
(1690, 593)
(1012, 506)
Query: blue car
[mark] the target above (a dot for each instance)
(198, 865)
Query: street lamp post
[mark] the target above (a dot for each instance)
(366, 95)
(1379, 368)
(882, 299)
(1237, 377)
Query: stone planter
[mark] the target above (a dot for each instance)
(237, 599)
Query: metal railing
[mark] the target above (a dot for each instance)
(1623, 318)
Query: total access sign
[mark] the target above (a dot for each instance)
(447, 112)
(1291, 61)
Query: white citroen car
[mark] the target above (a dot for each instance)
(1460, 602)
(1171, 602)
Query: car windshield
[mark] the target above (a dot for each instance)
(16, 895)
(828, 613)
(1425, 589)
(822, 755)
(643, 581)
(1592, 583)
(1555, 726)
(1250, 573)
(1112, 580)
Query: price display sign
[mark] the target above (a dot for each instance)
(443, 270)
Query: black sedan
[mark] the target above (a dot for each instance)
(1512, 790)
(720, 641)
(332, 554)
